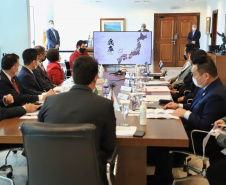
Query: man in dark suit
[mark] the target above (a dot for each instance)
(194, 36)
(208, 106)
(52, 35)
(143, 28)
(40, 72)
(10, 84)
(14, 111)
(81, 105)
(26, 76)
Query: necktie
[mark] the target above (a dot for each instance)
(15, 86)
(42, 67)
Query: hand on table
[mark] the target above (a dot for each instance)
(179, 112)
(171, 105)
(8, 99)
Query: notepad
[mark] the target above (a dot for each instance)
(157, 89)
(32, 115)
(161, 113)
(125, 131)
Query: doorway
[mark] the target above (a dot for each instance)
(170, 36)
(214, 27)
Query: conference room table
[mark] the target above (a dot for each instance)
(132, 160)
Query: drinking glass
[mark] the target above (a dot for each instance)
(125, 110)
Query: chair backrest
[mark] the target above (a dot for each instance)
(68, 73)
(60, 153)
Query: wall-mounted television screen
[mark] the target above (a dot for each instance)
(123, 48)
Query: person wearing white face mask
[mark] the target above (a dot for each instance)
(26, 75)
(53, 37)
(143, 28)
(208, 106)
(10, 83)
(194, 36)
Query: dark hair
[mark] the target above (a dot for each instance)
(51, 21)
(52, 55)
(39, 49)
(189, 47)
(79, 43)
(9, 60)
(195, 53)
(29, 55)
(85, 69)
(205, 64)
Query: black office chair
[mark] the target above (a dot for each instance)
(63, 154)
(68, 71)
(187, 168)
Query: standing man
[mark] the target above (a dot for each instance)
(194, 36)
(81, 105)
(80, 51)
(52, 35)
(40, 72)
(143, 28)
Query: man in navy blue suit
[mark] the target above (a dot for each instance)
(26, 75)
(10, 84)
(53, 37)
(208, 106)
(194, 36)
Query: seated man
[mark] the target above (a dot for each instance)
(26, 76)
(80, 51)
(81, 105)
(208, 106)
(10, 84)
(40, 72)
(179, 79)
(14, 111)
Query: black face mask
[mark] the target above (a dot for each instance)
(82, 50)
(185, 57)
(44, 59)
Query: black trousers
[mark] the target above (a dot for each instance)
(216, 173)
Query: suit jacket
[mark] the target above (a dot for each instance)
(207, 107)
(55, 73)
(81, 105)
(52, 41)
(28, 80)
(179, 79)
(43, 79)
(10, 112)
(26, 95)
(195, 38)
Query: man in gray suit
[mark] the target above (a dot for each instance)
(40, 72)
(179, 79)
(81, 105)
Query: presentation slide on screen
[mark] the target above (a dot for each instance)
(122, 47)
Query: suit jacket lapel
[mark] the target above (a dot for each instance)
(198, 98)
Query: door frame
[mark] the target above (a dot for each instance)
(158, 15)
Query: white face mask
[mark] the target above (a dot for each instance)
(196, 83)
(16, 73)
(194, 29)
(142, 29)
(51, 26)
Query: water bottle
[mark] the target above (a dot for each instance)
(143, 119)
(134, 102)
(106, 88)
(131, 80)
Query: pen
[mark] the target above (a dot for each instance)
(220, 125)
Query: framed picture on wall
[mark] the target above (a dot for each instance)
(208, 19)
(117, 24)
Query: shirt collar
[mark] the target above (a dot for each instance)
(29, 69)
(9, 77)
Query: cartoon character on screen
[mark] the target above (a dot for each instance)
(111, 44)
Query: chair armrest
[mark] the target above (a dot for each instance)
(111, 158)
(189, 101)
(193, 131)
(186, 92)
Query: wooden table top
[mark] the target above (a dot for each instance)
(158, 132)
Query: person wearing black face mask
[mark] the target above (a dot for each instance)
(80, 51)
(40, 72)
